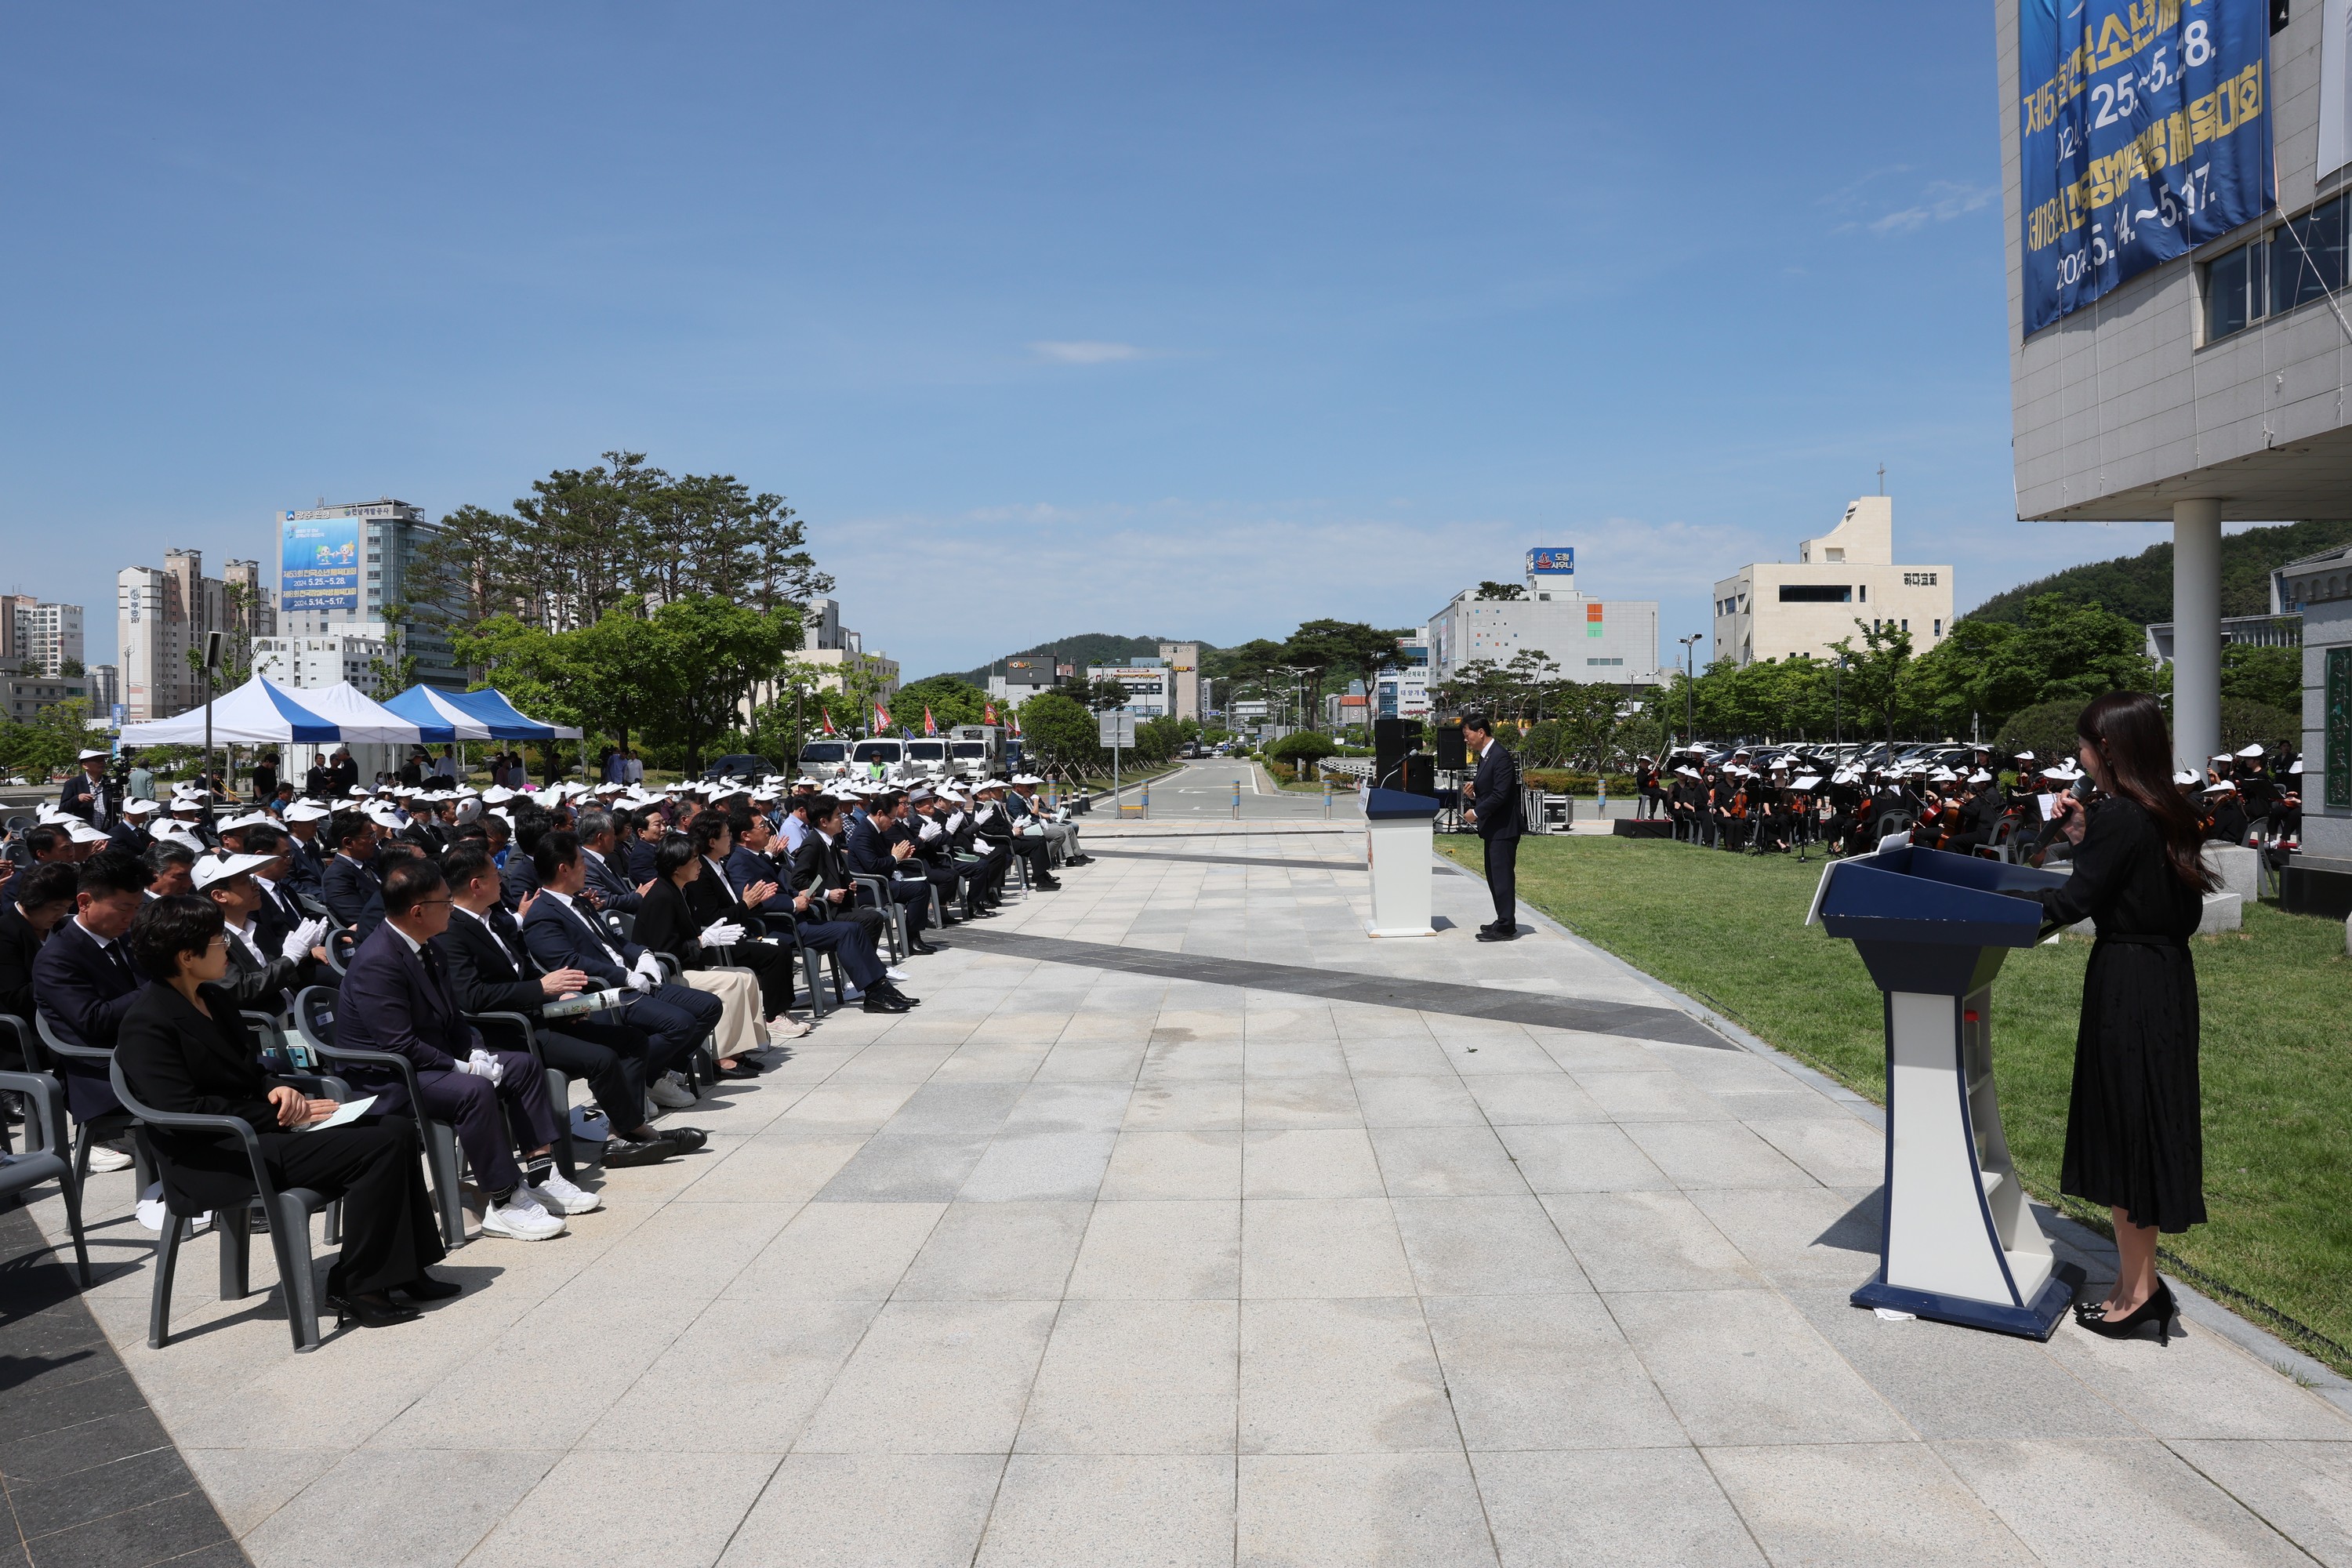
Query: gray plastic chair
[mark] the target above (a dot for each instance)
(112, 1124)
(289, 1213)
(46, 1161)
(314, 1018)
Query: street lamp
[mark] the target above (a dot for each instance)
(1690, 675)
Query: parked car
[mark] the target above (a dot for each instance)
(741, 765)
(824, 759)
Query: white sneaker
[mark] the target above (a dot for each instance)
(521, 1218)
(102, 1158)
(784, 1026)
(564, 1197)
(667, 1093)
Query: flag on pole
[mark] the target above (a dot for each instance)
(988, 713)
(1016, 724)
(881, 717)
(931, 727)
(828, 721)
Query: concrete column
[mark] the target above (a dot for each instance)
(2195, 631)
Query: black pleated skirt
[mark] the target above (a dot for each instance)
(2135, 1139)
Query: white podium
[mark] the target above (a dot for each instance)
(1397, 850)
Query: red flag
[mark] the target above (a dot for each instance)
(930, 726)
(881, 717)
(828, 721)
(988, 713)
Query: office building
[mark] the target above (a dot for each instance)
(1183, 662)
(1840, 583)
(161, 614)
(105, 689)
(2176, 328)
(1022, 678)
(1403, 691)
(326, 660)
(342, 569)
(1147, 680)
(10, 605)
(1601, 640)
(2237, 631)
(26, 689)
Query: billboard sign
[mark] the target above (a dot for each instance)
(1543, 562)
(2144, 132)
(318, 564)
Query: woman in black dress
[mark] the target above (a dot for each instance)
(2133, 1135)
(183, 1048)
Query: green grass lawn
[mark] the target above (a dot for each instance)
(2276, 1042)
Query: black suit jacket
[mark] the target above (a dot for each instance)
(390, 1003)
(305, 872)
(669, 921)
(347, 888)
(490, 975)
(560, 938)
(82, 988)
(175, 1058)
(615, 893)
(19, 945)
(1495, 792)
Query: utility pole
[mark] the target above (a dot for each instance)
(1690, 694)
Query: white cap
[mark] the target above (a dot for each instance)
(2025, 756)
(174, 833)
(81, 832)
(360, 792)
(307, 811)
(250, 819)
(93, 753)
(2253, 751)
(2222, 757)
(1980, 776)
(211, 868)
(2295, 767)
(2223, 787)
(139, 807)
(497, 795)
(384, 817)
(2187, 777)
(1027, 779)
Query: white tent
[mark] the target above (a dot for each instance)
(260, 712)
(358, 718)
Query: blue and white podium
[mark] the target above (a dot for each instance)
(1398, 844)
(1959, 1242)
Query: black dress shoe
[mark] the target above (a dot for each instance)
(923, 949)
(369, 1310)
(685, 1140)
(621, 1153)
(741, 1069)
(875, 1002)
(425, 1288)
(1495, 933)
(890, 988)
(1047, 884)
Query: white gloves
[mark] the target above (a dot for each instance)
(955, 820)
(726, 933)
(646, 975)
(931, 830)
(481, 1064)
(298, 942)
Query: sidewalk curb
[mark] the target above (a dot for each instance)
(2202, 1310)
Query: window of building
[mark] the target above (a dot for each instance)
(1606, 661)
(1939, 626)
(1906, 623)
(1918, 579)
(1817, 593)
(2301, 260)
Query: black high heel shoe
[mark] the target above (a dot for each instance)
(369, 1310)
(2159, 1308)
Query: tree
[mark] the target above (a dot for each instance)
(1060, 732)
(46, 744)
(1879, 677)
(1106, 696)
(1504, 591)
(70, 666)
(2270, 676)
(709, 654)
(952, 699)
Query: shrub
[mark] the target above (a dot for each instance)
(2047, 729)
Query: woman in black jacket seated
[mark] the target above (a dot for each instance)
(183, 1048)
(667, 922)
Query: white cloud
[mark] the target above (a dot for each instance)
(1085, 352)
(1941, 202)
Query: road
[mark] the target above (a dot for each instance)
(1203, 791)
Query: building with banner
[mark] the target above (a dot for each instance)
(2175, 183)
(1845, 580)
(341, 568)
(1612, 641)
(1401, 690)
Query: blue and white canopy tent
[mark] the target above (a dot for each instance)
(428, 707)
(259, 713)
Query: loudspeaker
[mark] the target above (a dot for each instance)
(1392, 740)
(1421, 774)
(1450, 757)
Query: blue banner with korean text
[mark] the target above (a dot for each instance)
(2145, 131)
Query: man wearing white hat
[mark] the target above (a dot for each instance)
(1029, 814)
(262, 978)
(131, 834)
(90, 793)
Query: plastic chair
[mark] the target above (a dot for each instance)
(341, 945)
(112, 1124)
(892, 910)
(289, 1213)
(314, 1018)
(46, 1160)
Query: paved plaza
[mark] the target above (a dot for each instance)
(1185, 1224)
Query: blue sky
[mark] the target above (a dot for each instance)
(1196, 320)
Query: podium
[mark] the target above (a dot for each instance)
(1957, 1240)
(1397, 850)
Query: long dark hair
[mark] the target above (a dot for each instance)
(2127, 729)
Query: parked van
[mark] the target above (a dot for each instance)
(976, 750)
(824, 759)
(882, 759)
(927, 759)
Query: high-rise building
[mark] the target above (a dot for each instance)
(1183, 662)
(105, 689)
(1841, 582)
(341, 568)
(1401, 690)
(39, 636)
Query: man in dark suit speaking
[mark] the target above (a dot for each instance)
(1494, 810)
